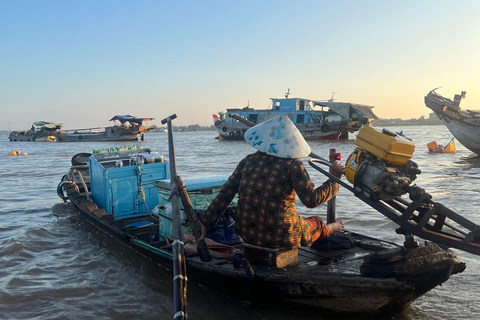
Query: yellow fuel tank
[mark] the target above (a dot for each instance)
(385, 145)
(352, 165)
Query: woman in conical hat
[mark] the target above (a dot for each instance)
(267, 183)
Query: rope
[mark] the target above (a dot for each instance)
(142, 193)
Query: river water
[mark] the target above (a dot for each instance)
(56, 265)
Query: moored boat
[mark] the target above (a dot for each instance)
(333, 120)
(463, 124)
(353, 273)
(129, 128)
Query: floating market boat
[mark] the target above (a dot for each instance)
(130, 128)
(128, 196)
(333, 120)
(40, 131)
(463, 124)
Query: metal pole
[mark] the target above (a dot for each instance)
(179, 274)
(331, 205)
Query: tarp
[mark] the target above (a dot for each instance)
(47, 124)
(344, 108)
(129, 118)
(124, 117)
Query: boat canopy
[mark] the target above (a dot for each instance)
(131, 119)
(344, 108)
(125, 117)
(41, 124)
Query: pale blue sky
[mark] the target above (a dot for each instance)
(82, 62)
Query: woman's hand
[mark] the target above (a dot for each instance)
(337, 169)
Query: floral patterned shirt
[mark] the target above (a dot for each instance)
(266, 187)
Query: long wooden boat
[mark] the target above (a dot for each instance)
(463, 124)
(351, 274)
(332, 120)
(130, 128)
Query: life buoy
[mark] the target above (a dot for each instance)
(80, 138)
(325, 127)
(239, 133)
(231, 134)
(224, 129)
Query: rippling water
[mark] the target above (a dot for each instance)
(56, 265)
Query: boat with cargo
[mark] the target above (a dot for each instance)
(314, 119)
(128, 128)
(131, 196)
(464, 124)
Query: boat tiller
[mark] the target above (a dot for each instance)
(381, 172)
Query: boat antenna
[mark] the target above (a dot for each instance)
(287, 93)
(332, 99)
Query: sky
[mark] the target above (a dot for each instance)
(82, 62)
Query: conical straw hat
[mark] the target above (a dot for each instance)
(278, 137)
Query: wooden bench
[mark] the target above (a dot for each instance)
(279, 257)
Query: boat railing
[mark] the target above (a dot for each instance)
(90, 130)
(87, 193)
(315, 118)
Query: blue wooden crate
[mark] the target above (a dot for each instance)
(127, 191)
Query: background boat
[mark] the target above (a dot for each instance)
(130, 128)
(463, 124)
(332, 120)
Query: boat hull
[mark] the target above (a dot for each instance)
(236, 131)
(468, 135)
(81, 137)
(31, 136)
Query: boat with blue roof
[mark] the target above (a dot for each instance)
(314, 119)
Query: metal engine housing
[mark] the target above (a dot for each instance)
(381, 180)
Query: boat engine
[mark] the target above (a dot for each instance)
(380, 179)
(381, 172)
(381, 164)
